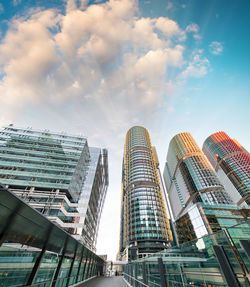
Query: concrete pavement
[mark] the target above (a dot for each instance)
(114, 281)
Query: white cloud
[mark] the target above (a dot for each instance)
(216, 48)
(170, 28)
(194, 28)
(197, 68)
(99, 56)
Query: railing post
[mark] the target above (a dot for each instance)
(92, 268)
(85, 265)
(80, 264)
(131, 274)
(144, 273)
(225, 266)
(39, 259)
(60, 263)
(72, 264)
(89, 264)
(162, 272)
(136, 270)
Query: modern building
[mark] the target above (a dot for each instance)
(189, 177)
(205, 219)
(232, 163)
(57, 174)
(145, 226)
(201, 205)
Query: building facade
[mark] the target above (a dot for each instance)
(144, 223)
(58, 175)
(232, 164)
(189, 177)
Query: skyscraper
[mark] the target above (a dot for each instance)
(58, 175)
(189, 177)
(200, 203)
(144, 224)
(232, 164)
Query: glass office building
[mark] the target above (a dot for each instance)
(189, 177)
(232, 164)
(144, 223)
(206, 219)
(57, 174)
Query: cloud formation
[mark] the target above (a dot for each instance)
(94, 57)
(193, 28)
(197, 68)
(216, 48)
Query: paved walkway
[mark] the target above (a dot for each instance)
(115, 281)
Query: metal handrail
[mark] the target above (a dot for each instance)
(135, 279)
(44, 283)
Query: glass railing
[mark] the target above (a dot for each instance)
(195, 263)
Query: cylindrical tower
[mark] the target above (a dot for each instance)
(231, 161)
(144, 224)
(189, 176)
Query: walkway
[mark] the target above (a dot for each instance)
(115, 281)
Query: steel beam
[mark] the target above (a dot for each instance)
(246, 245)
(225, 266)
(162, 272)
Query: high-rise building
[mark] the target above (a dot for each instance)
(232, 164)
(58, 175)
(144, 224)
(189, 177)
(200, 204)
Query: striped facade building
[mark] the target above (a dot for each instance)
(145, 226)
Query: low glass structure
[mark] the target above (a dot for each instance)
(36, 252)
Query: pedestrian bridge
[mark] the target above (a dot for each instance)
(114, 281)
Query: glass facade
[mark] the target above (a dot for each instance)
(232, 162)
(144, 224)
(189, 177)
(204, 219)
(58, 175)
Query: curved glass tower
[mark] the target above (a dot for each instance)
(144, 224)
(189, 176)
(232, 163)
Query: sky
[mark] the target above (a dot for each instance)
(97, 68)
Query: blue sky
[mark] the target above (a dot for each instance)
(99, 67)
